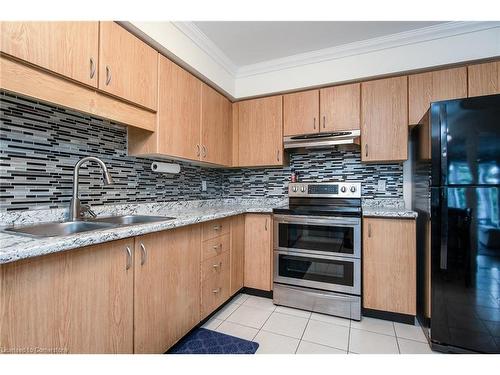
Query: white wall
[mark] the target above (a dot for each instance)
(459, 48)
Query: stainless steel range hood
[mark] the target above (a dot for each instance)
(322, 140)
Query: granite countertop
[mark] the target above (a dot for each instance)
(15, 247)
(390, 208)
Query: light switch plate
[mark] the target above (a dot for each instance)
(203, 185)
(381, 185)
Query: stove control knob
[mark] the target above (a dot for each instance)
(353, 189)
(294, 189)
(343, 189)
(302, 189)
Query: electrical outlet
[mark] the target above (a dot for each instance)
(203, 185)
(381, 185)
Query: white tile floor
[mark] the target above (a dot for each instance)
(285, 330)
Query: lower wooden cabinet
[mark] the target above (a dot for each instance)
(215, 287)
(78, 301)
(237, 253)
(216, 265)
(166, 287)
(258, 251)
(136, 295)
(389, 265)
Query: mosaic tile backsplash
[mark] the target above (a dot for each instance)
(40, 144)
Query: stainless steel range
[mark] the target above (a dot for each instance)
(317, 249)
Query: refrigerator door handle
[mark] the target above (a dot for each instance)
(443, 258)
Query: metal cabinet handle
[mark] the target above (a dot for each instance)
(324, 122)
(366, 149)
(215, 291)
(278, 155)
(216, 266)
(129, 258)
(314, 123)
(266, 225)
(198, 150)
(217, 247)
(204, 151)
(108, 75)
(92, 68)
(369, 230)
(143, 254)
(217, 227)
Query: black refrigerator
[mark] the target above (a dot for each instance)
(456, 191)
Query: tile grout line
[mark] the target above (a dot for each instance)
(349, 338)
(260, 329)
(396, 335)
(303, 332)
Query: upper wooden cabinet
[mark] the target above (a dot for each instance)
(484, 79)
(67, 48)
(258, 132)
(78, 301)
(389, 265)
(178, 119)
(384, 120)
(301, 113)
(166, 288)
(128, 67)
(258, 251)
(425, 88)
(194, 120)
(340, 108)
(330, 109)
(215, 127)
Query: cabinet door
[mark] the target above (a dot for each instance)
(166, 288)
(215, 127)
(425, 88)
(237, 253)
(260, 132)
(78, 301)
(484, 79)
(179, 112)
(384, 120)
(67, 48)
(389, 265)
(340, 108)
(128, 67)
(301, 113)
(258, 251)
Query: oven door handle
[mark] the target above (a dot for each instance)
(316, 256)
(328, 220)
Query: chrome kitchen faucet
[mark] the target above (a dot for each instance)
(77, 210)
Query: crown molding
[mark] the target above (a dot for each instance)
(210, 48)
(440, 31)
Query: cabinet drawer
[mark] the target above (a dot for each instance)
(214, 247)
(215, 266)
(215, 228)
(214, 292)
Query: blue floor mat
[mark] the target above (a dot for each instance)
(205, 341)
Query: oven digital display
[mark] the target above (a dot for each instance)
(323, 189)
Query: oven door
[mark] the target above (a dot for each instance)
(337, 236)
(337, 274)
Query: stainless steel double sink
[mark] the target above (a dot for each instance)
(60, 229)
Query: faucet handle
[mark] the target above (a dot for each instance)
(85, 209)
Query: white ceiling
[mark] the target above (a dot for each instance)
(248, 42)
